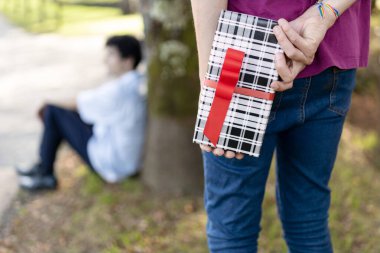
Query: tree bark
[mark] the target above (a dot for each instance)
(128, 6)
(173, 163)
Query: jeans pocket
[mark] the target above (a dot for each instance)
(275, 106)
(228, 165)
(341, 90)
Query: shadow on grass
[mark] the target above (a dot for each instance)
(86, 215)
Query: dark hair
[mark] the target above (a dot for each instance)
(128, 46)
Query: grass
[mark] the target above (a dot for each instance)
(87, 216)
(368, 78)
(355, 208)
(39, 16)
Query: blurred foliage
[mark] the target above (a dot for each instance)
(40, 16)
(34, 15)
(368, 79)
(110, 2)
(354, 201)
(86, 215)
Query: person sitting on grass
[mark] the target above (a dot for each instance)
(105, 125)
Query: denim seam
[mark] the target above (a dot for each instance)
(333, 96)
(303, 100)
(276, 108)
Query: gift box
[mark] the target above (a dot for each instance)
(236, 98)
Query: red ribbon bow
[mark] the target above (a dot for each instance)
(228, 79)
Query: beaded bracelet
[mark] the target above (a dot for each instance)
(320, 5)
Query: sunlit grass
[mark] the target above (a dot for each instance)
(355, 207)
(131, 24)
(37, 17)
(94, 217)
(375, 18)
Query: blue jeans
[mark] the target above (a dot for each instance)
(304, 129)
(60, 125)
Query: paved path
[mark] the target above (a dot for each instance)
(33, 69)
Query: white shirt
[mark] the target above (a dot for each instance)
(117, 109)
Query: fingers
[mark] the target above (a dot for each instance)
(215, 151)
(306, 46)
(205, 147)
(281, 86)
(239, 156)
(229, 154)
(294, 37)
(220, 152)
(283, 69)
(287, 44)
(288, 72)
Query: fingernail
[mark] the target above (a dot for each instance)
(274, 86)
(239, 156)
(229, 154)
(275, 29)
(217, 152)
(204, 148)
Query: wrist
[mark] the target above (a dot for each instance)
(328, 13)
(329, 19)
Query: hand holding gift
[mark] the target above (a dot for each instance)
(236, 98)
(299, 40)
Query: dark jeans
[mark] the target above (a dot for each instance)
(304, 130)
(62, 125)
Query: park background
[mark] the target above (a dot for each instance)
(51, 49)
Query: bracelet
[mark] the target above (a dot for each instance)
(320, 5)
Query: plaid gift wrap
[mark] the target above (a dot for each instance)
(236, 98)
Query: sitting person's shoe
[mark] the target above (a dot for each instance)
(29, 171)
(38, 182)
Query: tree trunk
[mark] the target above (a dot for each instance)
(128, 6)
(173, 164)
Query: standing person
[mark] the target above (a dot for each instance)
(104, 125)
(324, 43)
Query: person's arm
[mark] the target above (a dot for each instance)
(340, 5)
(300, 39)
(98, 104)
(205, 15)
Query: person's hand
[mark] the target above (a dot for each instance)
(222, 152)
(299, 40)
(40, 112)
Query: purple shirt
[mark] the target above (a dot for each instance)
(346, 43)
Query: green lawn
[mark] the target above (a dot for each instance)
(355, 203)
(41, 16)
(88, 216)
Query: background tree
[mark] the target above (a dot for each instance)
(128, 6)
(173, 163)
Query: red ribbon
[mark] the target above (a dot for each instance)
(244, 91)
(228, 79)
